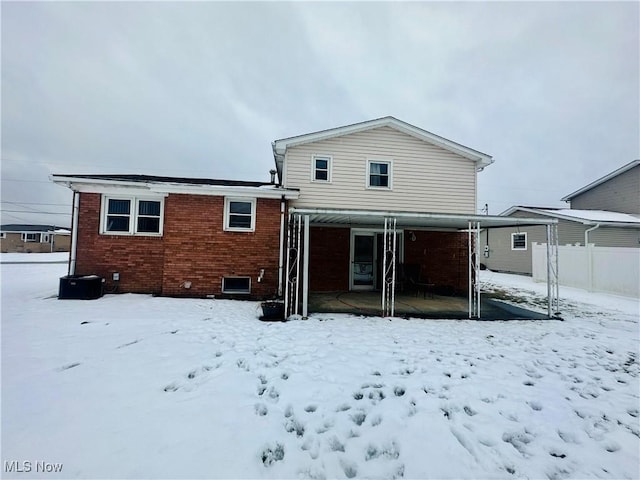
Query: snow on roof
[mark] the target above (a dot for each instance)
(596, 215)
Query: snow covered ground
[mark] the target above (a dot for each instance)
(132, 386)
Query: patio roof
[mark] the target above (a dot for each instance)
(413, 219)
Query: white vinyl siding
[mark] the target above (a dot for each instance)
(426, 178)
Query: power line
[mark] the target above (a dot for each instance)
(29, 181)
(36, 212)
(33, 203)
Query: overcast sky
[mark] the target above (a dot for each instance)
(550, 90)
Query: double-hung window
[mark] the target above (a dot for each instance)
(240, 214)
(321, 168)
(379, 174)
(519, 241)
(131, 216)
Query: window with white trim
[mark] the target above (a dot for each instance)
(239, 214)
(379, 174)
(519, 241)
(321, 168)
(30, 237)
(236, 284)
(3, 235)
(131, 216)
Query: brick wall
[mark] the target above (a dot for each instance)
(198, 250)
(442, 257)
(194, 248)
(139, 260)
(329, 259)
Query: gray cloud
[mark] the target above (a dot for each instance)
(201, 89)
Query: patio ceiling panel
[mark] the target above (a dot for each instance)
(413, 219)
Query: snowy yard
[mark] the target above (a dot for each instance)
(132, 386)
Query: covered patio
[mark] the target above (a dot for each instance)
(415, 306)
(388, 299)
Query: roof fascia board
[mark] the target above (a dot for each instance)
(601, 180)
(560, 216)
(482, 159)
(113, 186)
(434, 216)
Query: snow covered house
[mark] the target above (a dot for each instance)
(351, 207)
(605, 213)
(30, 238)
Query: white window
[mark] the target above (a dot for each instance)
(240, 214)
(236, 284)
(519, 241)
(30, 237)
(3, 235)
(321, 166)
(379, 174)
(131, 216)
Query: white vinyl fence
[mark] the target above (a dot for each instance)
(598, 269)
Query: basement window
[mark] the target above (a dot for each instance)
(519, 241)
(240, 215)
(131, 216)
(236, 285)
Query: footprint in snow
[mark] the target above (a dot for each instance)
(272, 453)
(358, 418)
(349, 468)
(336, 445)
(172, 387)
(554, 452)
(469, 411)
(261, 409)
(535, 406)
(310, 408)
(398, 391)
(343, 408)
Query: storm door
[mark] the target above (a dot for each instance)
(363, 272)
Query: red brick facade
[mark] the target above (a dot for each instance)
(329, 259)
(193, 248)
(442, 257)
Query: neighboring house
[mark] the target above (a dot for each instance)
(349, 202)
(605, 213)
(618, 191)
(34, 238)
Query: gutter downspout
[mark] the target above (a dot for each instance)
(281, 257)
(74, 233)
(589, 252)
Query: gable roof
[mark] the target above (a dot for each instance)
(166, 185)
(601, 180)
(586, 217)
(280, 146)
